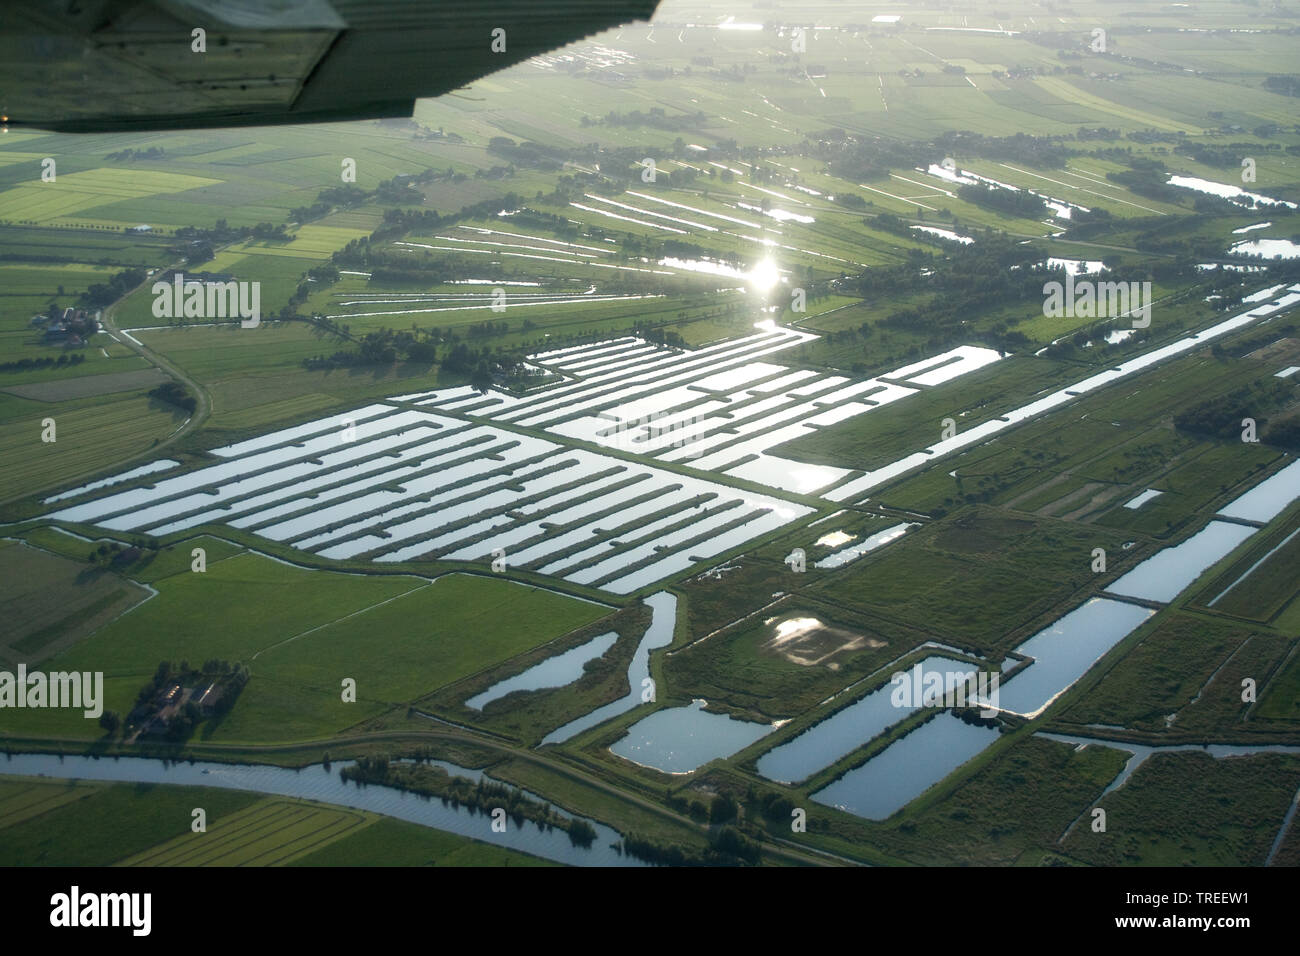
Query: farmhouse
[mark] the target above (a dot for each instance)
(209, 698)
(72, 327)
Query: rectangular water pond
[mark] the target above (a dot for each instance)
(1063, 651)
(907, 768)
(848, 729)
(845, 555)
(154, 466)
(1266, 500)
(1163, 575)
(1142, 499)
(682, 739)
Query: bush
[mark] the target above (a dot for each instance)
(174, 393)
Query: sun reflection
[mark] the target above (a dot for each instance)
(795, 627)
(764, 275)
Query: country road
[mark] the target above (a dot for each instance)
(202, 410)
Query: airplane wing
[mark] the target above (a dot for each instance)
(124, 65)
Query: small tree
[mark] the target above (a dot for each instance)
(723, 809)
(481, 378)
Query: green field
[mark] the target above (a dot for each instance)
(1191, 809)
(268, 833)
(22, 800)
(396, 652)
(1281, 699)
(1162, 675)
(142, 815)
(1263, 582)
(747, 669)
(90, 435)
(47, 823)
(397, 637)
(396, 843)
(1041, 785)
(530, 715)
(41, 203)
(52, 602)
(951, 579)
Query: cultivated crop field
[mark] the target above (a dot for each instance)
(269, 833)
(244, 831)
(89, 434)
(56, 603)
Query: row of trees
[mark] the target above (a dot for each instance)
(727, 847)
(385, 347)
(401, 190)
(483, 795)
(1019, 203)
(102, 294)
(221, 232)
(23, 365)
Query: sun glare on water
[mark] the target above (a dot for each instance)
(764, 275)
(795, 627)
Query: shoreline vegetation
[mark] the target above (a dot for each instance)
(727, 846)
(413, 775)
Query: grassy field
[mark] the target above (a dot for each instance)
(22, 800)
(233, 610)
(1263, 581)
(1220, 709)
(39, 204)
(1085, 460)
(1281, 698)
(90, 436)
(747, 669)
(29, 287)
(1191, 809)
(256, 378)
(812, 168)
(530, 715)
(419, 641)
(179, 559)
(915, 421)
(142, 815)
(1186, 680)
(63, 543)
(1200, 475)
(953, 578)
(302, 633)
(1160, 677)
(1018, 804)
(52, 602)
(270, 832)
(60, 823)
(397, 843)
